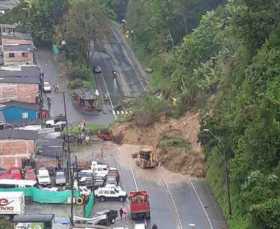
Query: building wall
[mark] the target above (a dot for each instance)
(18, 59)
(16, 114)
(26, 93)
(13, 151)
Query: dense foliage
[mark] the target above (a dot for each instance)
(229, 68)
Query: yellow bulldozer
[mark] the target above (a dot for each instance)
(146, 158)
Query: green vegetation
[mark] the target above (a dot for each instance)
(228, 68)
(71, 25)
(4, 224)
(174, 141)
(148, 109)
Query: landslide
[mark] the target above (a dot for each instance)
(176, 142)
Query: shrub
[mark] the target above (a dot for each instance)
(76, 83)
(80, 71)
(148, 109)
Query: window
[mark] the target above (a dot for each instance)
(11, 55)
(24, 115)
(24, 54)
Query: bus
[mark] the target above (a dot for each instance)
(11, 183)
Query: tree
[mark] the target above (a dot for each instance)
(84, 22)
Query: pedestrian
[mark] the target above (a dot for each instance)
(125, 213)
(49, 102)
(121, 213)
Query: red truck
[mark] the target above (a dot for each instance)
(139, 205)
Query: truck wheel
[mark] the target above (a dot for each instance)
(122, 199)
(102, 198)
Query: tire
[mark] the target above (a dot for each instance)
(102, 198)
(122, 199)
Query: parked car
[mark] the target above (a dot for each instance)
(114, 172)
(110, 192)
(60, 178)
(30, 174)
(43, 177)
(110, 179)
(12, 173)
(58, 125)
(4, 125)
(47, 87)
(112, 215)
(87, 178)
(98, 169)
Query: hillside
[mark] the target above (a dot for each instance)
(227, 68)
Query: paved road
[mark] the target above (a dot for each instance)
(50, 67)
(115, 55)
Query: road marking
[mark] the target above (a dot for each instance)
(179, 221)
(134, 179)
(109, 96)
(202, 206)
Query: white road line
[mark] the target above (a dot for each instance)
(202, 206)
(179, 221)
(134, 179)
(109, 96)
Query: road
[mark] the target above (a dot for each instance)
(50, 67)
(176, 201)
(115, 55)
(174, 205)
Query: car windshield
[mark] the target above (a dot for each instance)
(44, 177)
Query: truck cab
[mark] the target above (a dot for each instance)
(139, 205)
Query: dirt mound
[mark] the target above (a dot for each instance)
(177, 159)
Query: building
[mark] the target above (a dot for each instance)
(17, 48)
(15, 146)
(19, 113)
(20, 84)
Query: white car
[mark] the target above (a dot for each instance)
(110, 192)
(100, 170)
(140, 226)
(47, 87)
(43, 177)
(52, 123)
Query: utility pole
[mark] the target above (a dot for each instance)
(222, 149)
(70, 174)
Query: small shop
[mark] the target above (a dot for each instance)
(85, 100)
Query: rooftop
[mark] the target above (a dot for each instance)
(18, 134)
(85, 94)
(18, 48)
(22, 74)
(19, 104)
(33, 218)
(16, 35)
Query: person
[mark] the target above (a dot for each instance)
(125, 213)
(49, 102)
(121, 213)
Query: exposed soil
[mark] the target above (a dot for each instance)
(176, 159)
